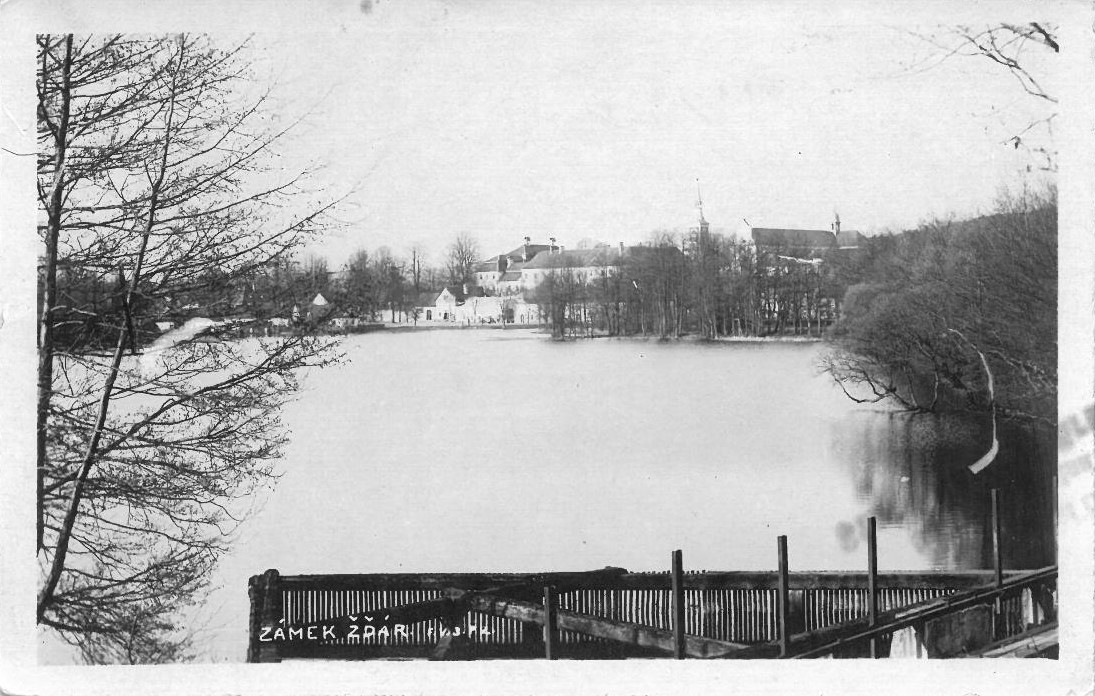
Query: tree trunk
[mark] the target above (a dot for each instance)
(64, 535)
(49, 290)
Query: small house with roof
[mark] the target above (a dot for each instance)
(445, 304)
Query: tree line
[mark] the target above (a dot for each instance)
(697, 283)
(958, 315)
(372, 284)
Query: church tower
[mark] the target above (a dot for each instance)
(699, 204)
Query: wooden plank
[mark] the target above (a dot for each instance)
(620, 579)
(549, 622)
(271, 613)
(1030, 643)
(872, 581)
(1056, 551)
(440, 581)
(783, 598)
(453, 604)
(997, 545)
(256, 592)
(678, 604)
(997, 558)
(338, 627)
(401, 652)
(825, 640)
(633, 634)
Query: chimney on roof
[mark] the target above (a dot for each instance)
(524, 254)
(621, 250)
(551, 245)
(836, 223)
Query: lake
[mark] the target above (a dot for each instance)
(489, 450)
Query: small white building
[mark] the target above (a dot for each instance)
(319, 308)
(480, 310)
(446, 303)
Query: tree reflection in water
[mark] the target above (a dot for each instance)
(911, 472)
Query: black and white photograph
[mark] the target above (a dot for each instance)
(429, 346)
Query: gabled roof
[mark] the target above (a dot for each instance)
(789, 240)
(513, 272)
(850, 239)
(427, 299)
(456, 291)
(576, 258)
(487, 266)
(518, 254)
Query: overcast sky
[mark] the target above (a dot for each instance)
(593, 121)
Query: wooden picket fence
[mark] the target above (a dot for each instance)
(737, 607)
(613, 613)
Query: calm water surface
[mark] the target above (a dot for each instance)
(503, 451)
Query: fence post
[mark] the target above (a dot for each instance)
(872, 580)
(1056, 551)
(997, 550)
(997, 561)
(256, 595)
(265, 595)
(678, 605)
(783, 597)
(549, 623)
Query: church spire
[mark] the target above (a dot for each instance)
(699, 204)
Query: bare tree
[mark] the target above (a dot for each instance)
(1004, 44)
(417, 252)
(1009, 46)
(152, 170)
(461, 257)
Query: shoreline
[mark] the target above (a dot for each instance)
(541, 329)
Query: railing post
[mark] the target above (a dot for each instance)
(265, 595)
(997, 546)
(783, 597)
(549, 623)
(257, 597)
(1056, 551)
(997, 562)
(872, 580)
(678, 605)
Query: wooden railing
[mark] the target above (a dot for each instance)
(1002, 600)
(735, 607)
(616, 613)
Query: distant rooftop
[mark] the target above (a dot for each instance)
(487, 266)
(576, 258)
(518, 254)
(802, 240)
